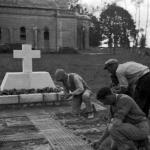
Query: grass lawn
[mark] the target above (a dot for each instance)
(88, 66)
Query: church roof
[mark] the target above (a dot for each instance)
(49, 4)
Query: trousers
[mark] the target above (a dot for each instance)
(142, 93)
(78, 99)
(125, 134)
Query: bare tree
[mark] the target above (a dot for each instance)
(138, 9)
(147, 17)
(72, 2)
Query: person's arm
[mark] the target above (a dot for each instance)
(114, 122)
(122, 87)
(79, 86)
(114, 80)
(123, 107)
(104, 136)
(123, 82)
(96, 144)
(66, 92)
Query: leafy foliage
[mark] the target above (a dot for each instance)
(94, 31)
(73, 2)
(30, 91)
(142, 41)
(67, 50)
(116, 21)
(74, 6)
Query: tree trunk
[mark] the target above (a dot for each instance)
(147, 17)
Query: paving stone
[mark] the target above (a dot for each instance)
(30, 98)
(48, 97)
(17, 121)
(20, 137)
(8, 99)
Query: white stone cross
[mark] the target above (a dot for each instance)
(26, 54)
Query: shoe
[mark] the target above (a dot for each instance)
(90, 115)
(93, 107)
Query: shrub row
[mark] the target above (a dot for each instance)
(30, 91)
(67, 50)
(8, 48)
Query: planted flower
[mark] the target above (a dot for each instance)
(30, 91)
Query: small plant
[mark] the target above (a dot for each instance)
(30, 91)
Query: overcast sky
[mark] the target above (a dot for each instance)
(91, 2)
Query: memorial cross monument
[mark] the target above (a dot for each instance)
(27, 54)
(27, 79)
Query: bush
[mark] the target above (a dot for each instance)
(67, 50)
(4, 48)
(30, 91)
(8, 48)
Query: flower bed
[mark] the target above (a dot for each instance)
(30, 91)
(30, 96)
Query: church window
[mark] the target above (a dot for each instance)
(0, 33)
(23, 33)
(46, 35)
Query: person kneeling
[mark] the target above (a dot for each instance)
(77, 90)
(128, 122)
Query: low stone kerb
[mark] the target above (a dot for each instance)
(30, 98)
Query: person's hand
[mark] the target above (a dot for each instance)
(110, 125)
(68, 96)
(116, 121)
(62, 97)
(115, 89)
(112, 85)
(96, 144)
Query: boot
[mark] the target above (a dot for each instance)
(90, 115)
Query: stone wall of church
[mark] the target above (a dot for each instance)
(83, 33)
(39, 25)
(67, 31)
(45, 29)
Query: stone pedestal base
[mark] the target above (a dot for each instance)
(20, 80)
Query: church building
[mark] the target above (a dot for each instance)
(46, 24)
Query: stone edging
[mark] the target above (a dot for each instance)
(30, 98)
